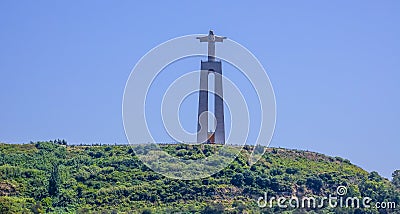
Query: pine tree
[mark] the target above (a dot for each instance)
(396, 178)
(54, 181)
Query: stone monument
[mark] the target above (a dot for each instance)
(208, 67)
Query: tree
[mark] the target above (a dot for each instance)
(396, 178)
(262, 182)
(239, 205)
(146, 211)
(214, 209)
(374, 176)
(237, 179)
(248, 178)
(54, 181)
(292, 170)
(314, 183)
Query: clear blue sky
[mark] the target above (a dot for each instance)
(334, 65)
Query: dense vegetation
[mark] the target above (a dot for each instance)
(47, 177)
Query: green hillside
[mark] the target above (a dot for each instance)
(50, 177)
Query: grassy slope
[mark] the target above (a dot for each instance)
(111, 179)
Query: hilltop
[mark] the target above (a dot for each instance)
(47, 177)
